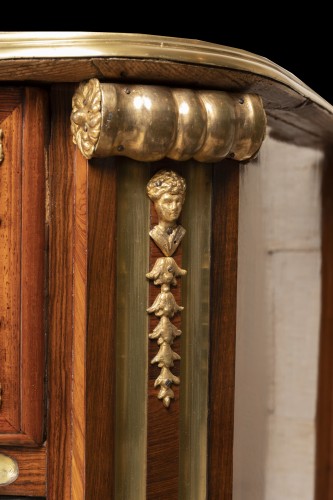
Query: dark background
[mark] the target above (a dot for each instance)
(301, 42)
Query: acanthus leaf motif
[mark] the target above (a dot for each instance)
(165, 305)
(165, 331)
(164, 273)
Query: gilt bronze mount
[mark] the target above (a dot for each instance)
(167, 190)
(148, 123)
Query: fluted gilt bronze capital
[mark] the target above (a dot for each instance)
(148, 123)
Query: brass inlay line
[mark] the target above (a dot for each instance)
(132, 326)
(196, 217)
(167, 190)
(148, 123)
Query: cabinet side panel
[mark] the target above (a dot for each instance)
(10, 272)
(33, 263)
(60, 296)
(223, 329)
(101, 327)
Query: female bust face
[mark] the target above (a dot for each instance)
(168, 207)
(167, 190)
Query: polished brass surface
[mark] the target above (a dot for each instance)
(82, 44)
(2, 157)
(132, 327)
(167, 191)
(196, 217)
(148, 123)
(9, 470)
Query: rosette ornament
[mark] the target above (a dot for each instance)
(86, 117)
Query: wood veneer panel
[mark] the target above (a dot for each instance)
(79, 325)
(22, 298)
(10, 273)
(60, 296)
(223, 329)
(33, 263)
(292, 117)
(32, 466)
(22, 249)
(10, 98)
(82, 286)
(101, 328)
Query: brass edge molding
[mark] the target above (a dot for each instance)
(167, 191)
(82, 44)
(148, 123)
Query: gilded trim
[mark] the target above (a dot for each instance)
(53, 44)
(86, 116)
(148, 123)
(167, 191)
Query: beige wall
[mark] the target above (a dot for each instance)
(277, 324)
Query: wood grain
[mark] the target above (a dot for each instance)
(32, 472)
(60, 296)
(81, 352)
(22, 235)
(223, 329)
(101, 328)
(291, 116)
(275, 94)
(10, 98)
(163, 423)
(33, 263)
(22, 291)
(79, 325)
(17, 439)
(324, 421)
(10, 271)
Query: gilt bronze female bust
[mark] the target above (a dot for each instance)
(167, 191)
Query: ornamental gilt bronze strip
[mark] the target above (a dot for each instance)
(167, 190)
(148, 123)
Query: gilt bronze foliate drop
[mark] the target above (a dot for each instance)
(167, 191)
